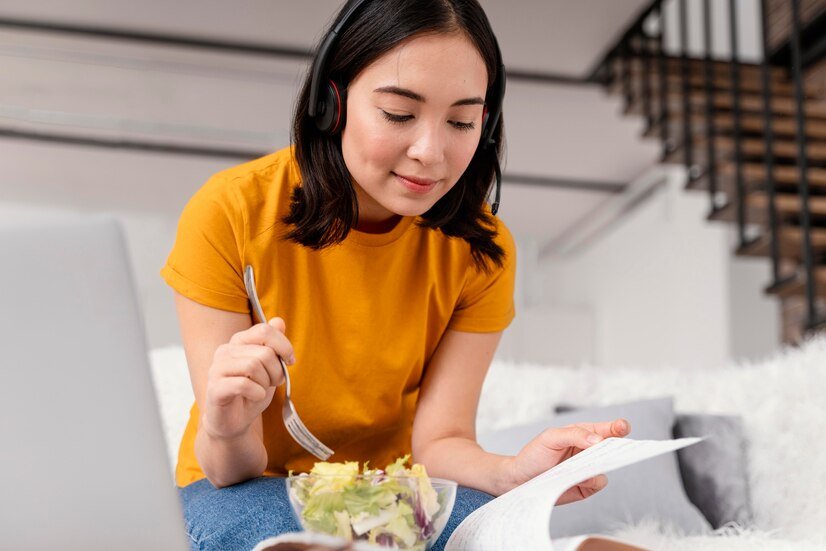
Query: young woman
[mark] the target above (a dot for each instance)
(387, 278)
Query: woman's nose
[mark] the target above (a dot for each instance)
(429, 146)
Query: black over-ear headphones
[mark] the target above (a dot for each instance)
(327, 106)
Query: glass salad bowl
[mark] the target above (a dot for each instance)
(397, 507)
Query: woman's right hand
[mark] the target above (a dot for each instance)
(242, 379)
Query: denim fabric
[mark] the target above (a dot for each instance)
(238, 517)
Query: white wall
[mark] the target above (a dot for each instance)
(657, 283)
(756, 326)
(547, 334)
(663, 289)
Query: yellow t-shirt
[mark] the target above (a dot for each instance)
(364, 316)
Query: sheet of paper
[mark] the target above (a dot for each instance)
(521, 518)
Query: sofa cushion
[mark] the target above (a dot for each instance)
(714, 471)
(651, 488)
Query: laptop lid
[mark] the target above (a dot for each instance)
(83, 460)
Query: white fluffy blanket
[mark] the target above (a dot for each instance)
(782, 401)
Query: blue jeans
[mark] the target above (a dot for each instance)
(238, 517)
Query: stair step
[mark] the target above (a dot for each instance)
(756, 147)
(796, 286)
(696, 66)
(795, 318)
(721, 84)
(790, 239)
(754, 178)
(785, 152)
(789, 175)
(749, 103)
(749, 123)
(757, 204)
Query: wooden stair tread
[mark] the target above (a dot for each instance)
(754, 102)
(757, 203)
(721, 83)
(749, 102)
(756, 172)
(790, 240)
(785, 152)
(697, 65)
(815, 150)
(749, 122)
(754, 179)
(788, 203)
(797, 286)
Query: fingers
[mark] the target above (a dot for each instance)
(255, 362)
(621, 427)
(584, 435)
(268, 334)
(583, 490)
(593, 485)
(278, 324)
(572, 436)
(608, 429)
(248, 365)
(229, 388)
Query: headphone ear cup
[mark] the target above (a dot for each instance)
(329, 112)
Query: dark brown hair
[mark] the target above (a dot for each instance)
(325, 207)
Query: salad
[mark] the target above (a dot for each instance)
(396, 507)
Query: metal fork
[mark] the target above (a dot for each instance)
(292, 421)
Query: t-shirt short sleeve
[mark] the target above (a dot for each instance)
(205, 263)
(486, 303)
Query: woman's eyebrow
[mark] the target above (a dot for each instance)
(420, 98)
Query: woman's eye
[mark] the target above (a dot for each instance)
(397, 119)
(464, 126)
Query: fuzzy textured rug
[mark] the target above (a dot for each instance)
(782, 400)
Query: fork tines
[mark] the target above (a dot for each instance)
(304, 437)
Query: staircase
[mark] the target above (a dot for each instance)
(751, 136)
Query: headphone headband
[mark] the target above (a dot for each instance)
(320, 65)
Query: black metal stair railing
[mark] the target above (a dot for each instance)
(812, 320)
(635, 45)
(688, 142)
(647, 75)
(665, 133)
(711, 152)
(778, 281)
(734, 66)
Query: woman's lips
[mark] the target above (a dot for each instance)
(416, 185)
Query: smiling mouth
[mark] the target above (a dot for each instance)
(416, 186)
(419, 181)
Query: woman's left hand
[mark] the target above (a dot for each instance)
(555, 445)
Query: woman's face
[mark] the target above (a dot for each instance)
(415, 112)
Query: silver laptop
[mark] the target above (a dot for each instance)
(83, 463)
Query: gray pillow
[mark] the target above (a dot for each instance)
(714, 471)
(651, 488)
